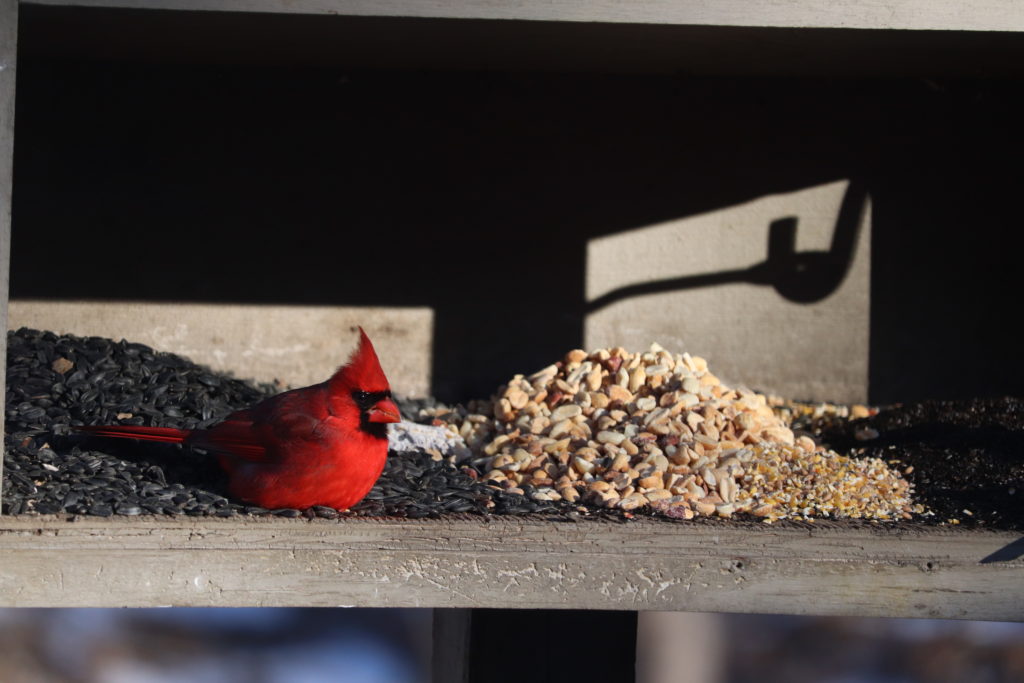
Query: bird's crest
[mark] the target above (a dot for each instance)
(362, 372)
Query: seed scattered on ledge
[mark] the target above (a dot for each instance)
(54, 381)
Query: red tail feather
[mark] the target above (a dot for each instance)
(164, 434)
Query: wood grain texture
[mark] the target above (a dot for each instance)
(643, 565)
(947, 15)
(8, 56)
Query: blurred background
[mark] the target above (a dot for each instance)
(199, 645)
(392, 646)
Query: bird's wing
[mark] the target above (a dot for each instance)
(260, 433)
(236, 436)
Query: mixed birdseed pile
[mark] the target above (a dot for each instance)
(625, 430)
(54, 382)
(607, 434)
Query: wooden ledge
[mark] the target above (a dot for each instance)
(502, 563)
(966, 15)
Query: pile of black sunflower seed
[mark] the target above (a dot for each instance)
(54, 382)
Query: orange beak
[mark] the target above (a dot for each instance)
(384, 411)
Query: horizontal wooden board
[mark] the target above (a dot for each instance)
(502, 563)
(8, 58)
(293, 345)
(966, 15)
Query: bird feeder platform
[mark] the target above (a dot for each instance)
(823, 568)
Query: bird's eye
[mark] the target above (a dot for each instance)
(366, 399)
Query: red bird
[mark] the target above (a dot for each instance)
(319, 445)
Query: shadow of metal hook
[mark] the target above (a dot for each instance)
(802, 277)
(809, 276)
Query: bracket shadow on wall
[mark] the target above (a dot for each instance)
(799, 276)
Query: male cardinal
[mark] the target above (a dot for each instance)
(319, 445)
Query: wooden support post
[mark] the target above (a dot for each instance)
(679, 647)
(555, 645)
(450, 644)
(549, 646)
(8, 57)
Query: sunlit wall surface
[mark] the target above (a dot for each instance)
(773, 290)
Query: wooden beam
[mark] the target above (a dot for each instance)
(450, 641)
(507, 563)
(296, 345)
(557, 645)
(946, 15)
(8, 59)
(680, 647)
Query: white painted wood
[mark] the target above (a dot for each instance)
(643, 565)
(947, 15)
(8, 56)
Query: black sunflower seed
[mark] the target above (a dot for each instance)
(125, 383)
(325, 512)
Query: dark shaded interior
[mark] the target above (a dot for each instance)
(558, 645)
(270, 159)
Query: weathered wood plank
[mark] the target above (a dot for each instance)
(298, 345)
(8, 57)
(512, 564)
(966, 15)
